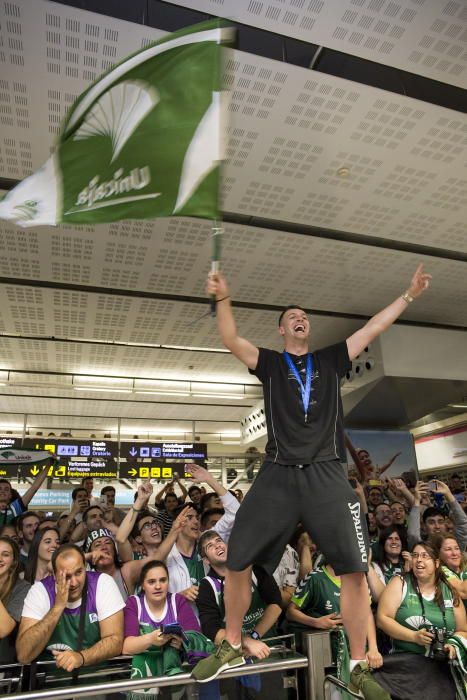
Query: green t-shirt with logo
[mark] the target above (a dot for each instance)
(410, 614)
(318, 594)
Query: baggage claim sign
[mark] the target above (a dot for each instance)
(99, 459)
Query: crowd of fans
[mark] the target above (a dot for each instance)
(97, 581)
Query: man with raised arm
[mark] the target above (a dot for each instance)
(302, 478)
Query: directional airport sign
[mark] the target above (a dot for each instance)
(134, 470)
(163, 450)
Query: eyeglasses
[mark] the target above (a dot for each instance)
(150, 525)
(421, 555)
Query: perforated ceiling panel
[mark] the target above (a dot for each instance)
(49, 54)
(427, 37)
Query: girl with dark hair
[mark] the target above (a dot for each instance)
(12, 594)
(148, 612)
(420, 612)
(394, 558)
(43, 545)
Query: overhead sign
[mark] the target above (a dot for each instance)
(132, 470)
(10, 443)
(163, 450)
(74, 469)
(89, 449)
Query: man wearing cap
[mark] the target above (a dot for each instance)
(56, 607)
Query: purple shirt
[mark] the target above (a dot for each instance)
(178, 610)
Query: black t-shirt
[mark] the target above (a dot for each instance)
(291, 440)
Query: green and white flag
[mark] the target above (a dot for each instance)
(143, 141)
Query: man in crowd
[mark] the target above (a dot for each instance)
(11, 508)
(302, 478)
(264, 609)
(185, 566)
(79, 503)
(87, 482)
(194, 494)
(52, 611)
(26, 526)
(434, 519)
(112, 514)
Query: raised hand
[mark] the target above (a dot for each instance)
(63, 588)
(198, 474)
(419, 282)
(144, 493)
(216, 285)
(180, 520)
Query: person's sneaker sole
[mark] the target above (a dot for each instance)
(239, 661)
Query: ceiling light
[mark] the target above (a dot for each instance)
(102, 388)
(162, 393)
(343, 172)
(217, 396)
(457, 405)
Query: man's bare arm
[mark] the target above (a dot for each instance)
(243, 350)
(385, 318)
(36, 484)
(111, 642)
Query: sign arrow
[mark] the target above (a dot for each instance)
(34, 471)
(133, 451)
(132, 472)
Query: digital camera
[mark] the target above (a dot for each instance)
(436, 650)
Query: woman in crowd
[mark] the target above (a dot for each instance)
(12, 594)
(393, 555)
(156, 651)
(454, 563)
(44, 544)
(420, 611)
(155, 607)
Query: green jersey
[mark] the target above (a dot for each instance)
(318, 594)
(412, 615)
(195, 568)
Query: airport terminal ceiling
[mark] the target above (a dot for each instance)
(346, 166)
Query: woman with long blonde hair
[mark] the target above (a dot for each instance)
(12, 594)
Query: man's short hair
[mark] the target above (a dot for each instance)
(287, 308)
(179, 509)
(85, 478)
(76, 491)
(23, 516)
(206, 514)
(193, 488)
(205, 498)
(85, 513)
(62, 550)
(107, 489)
(432, 512)
(204, 539)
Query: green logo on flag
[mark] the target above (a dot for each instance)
(143, 141)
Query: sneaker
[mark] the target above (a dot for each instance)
(362, 682)
(224, 657)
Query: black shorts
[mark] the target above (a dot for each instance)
(317, 495)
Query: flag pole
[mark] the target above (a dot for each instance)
(217, 232)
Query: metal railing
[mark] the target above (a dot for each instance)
(283, 658)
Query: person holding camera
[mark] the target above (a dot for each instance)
(420, 612)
